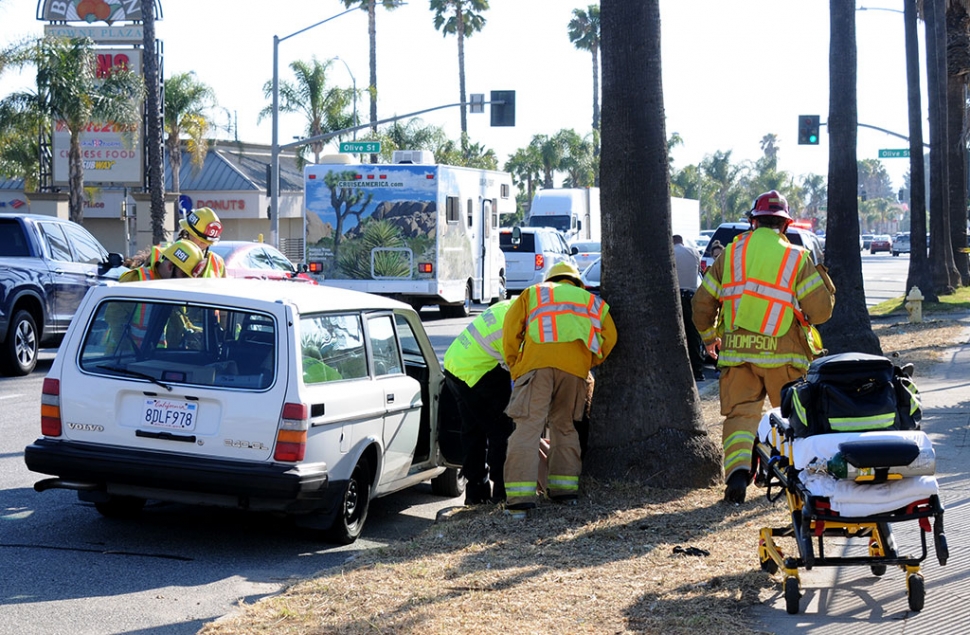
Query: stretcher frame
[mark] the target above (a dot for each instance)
(812, 519)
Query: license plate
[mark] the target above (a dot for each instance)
(170, 414)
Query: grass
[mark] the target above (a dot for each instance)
(953, 303)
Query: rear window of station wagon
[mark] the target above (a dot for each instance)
(527, 244)
(166, 343)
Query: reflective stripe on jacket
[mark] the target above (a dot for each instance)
(564, 313)
(478, 349)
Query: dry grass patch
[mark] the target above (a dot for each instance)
(604, 566)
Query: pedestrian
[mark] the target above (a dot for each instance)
(687, 262)
(757, 304)
(477, 377)
(554, 332)
(716, 249)
(203, 228)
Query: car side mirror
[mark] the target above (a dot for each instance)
(114, 261)
(516, 235)
(574, 250)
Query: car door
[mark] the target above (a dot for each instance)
(402, 398)
(70, 280)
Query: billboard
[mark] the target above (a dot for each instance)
(91, 11)
(110, 153)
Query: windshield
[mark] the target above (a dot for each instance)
(556, 222)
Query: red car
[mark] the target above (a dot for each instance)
(879, 243)
(257, 260)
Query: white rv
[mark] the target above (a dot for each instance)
(412, 230)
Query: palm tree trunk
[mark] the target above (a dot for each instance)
(596, 90)
(461, 79)
(849, 329)
(646, 406)
(958, 67)
(75, 177)
(372, 34)
(153, 119)
(174, 145)
(919, 266)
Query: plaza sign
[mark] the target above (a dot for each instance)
(128, 34)
(91, 11)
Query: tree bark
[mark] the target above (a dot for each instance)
(75, 176)
(919, 266)
(372, 35)
(957, 68)
(646, 411)
(153, 120)
(849, 329)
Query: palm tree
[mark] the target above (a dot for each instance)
(324, 108)
(187, 102)
(459, 17)
(154, 126)
(958, 69)
(579, 161)
(70, 92)
(849, 328)
(816, 190)
(551, 150)
(584, 33)
(769, 145)
(22, 124)
(525, 166)
(371, 7)
(646, 407)
(724, 177)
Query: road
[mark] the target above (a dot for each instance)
(68, 570)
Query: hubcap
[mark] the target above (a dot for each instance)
(25, 344)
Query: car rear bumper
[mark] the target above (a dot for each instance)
(282, 487)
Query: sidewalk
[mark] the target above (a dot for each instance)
(850, 600)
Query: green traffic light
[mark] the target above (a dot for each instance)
(813, 139)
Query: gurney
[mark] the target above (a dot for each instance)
(853, 485)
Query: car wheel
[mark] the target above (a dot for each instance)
(120, 507)
(449, 483)
(19, 355)
(354, 505)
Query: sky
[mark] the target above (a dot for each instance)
(733, 71)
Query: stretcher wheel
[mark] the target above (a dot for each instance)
(942, 551)
(769, 565)
(878, 569)
(792, 596)
(916, 590)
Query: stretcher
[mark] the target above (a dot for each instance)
(829, 497)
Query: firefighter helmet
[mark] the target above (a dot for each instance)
(187, 256)
(770, 204)
(203, 224)
(565, 270)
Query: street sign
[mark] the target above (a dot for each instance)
(361, 147)
(894, 154)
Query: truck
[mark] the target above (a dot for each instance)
(47, 265)
(576, 213)
(413, 230)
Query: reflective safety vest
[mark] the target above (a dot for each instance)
(758, 284)
(560, 312)
(478, 349)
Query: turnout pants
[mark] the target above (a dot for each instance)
(743, 390)
(545, 396)
(485, 428)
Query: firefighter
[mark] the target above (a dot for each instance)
(554, 332)
(476, 375)
(203, 228)
(757, 305)
(181, 259)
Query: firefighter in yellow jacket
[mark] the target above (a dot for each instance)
(757, 305)
(553, 333)
(203, 228)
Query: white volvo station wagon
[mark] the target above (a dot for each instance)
(246, 394)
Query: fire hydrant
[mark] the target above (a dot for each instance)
(914, 305)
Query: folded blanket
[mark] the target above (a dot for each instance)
(863, 499)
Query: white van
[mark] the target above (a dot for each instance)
(245, 394)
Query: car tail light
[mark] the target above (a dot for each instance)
(291, 438)
(315, 267)
(540, 261)
(425, 267)
(50, 408)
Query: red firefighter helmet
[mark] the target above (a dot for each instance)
(770, 204)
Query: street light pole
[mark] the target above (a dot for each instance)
(274, 180)
(354, 80)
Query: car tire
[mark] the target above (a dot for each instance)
(449, 483)
(19, 355)
(354, 505)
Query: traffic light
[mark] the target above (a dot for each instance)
(503, 114)
(808, 130)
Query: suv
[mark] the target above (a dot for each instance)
(901, 245)
(247, 394)
(47, 265)
(529, 253)
(727, 232)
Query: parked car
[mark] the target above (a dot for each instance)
(47, 264)
(866, 241)
(727, 232)
(881, 242)
(901, 245)
(257, 260)
(591, 276)
(701, 242)
(529, 253)
(307, 404)
(584, 253)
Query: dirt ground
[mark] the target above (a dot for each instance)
(627, 559)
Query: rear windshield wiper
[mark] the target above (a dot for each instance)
(135, 373)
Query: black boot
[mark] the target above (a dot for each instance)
(737, 487)
(478, 493)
